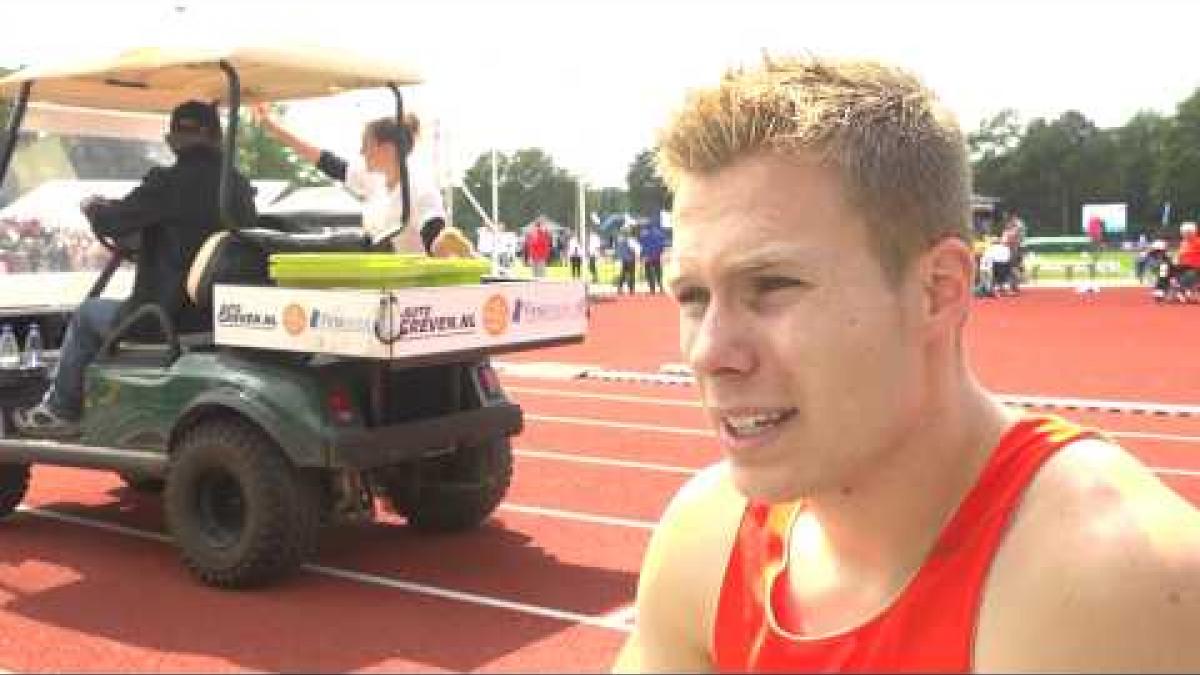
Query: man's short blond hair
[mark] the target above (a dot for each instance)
(901, 155)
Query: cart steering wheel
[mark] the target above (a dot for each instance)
(126, 247)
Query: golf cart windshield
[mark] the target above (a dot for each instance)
(63, 155)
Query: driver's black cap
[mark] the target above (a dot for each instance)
(195, 116)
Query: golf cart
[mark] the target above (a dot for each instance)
(318, 388)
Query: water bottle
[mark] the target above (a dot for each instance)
(10, 352)
(32, 355)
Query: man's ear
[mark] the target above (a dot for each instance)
(947, 277)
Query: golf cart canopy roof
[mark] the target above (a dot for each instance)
(155, 79)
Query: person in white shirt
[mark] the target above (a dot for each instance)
(997, 257)
(575, 256)
(594, 248)
(377, 179)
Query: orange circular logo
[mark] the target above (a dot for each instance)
(495, 315)
(294, 319)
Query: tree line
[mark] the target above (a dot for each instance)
(1043, 169)
(1046, 170)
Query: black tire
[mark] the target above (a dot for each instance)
(453, 492)
(240, 513)
(14, 481)
(145, 484)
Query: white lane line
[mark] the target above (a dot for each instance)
(593, 518)
(1067, 403)
(683, 470)
(601, 621)
(97, 524)
(1184, 473)
(1178, 438)
(624, 615)
(618, 398)
(596, 422)
(605, 461)
(469, 598)
(696, 431)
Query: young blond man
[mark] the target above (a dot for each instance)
(878, 509)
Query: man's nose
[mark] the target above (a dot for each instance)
(721, 343)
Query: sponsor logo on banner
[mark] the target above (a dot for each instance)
(531, 312)
(398, 322)
(232, 315)
(337, 321)
(294, 319)
(495, 315)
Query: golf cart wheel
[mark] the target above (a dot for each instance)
(240, 513)
(145, 484)
(453, 492)
(14, 481)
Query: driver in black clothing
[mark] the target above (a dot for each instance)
(173, 211)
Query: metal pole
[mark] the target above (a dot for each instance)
(579, 227)
(14, 127)
(495, 190)
(235, 101)
(405, 183)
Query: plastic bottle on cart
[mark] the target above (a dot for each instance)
(10, 351)
(31, 357)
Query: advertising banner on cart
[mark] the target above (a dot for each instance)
(400, 323)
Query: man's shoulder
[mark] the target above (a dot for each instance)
(1098, 570)
(1105, 498)
(680, 581)
(701, 521)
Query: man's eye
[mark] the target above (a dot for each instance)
(765, 284)
(691, 296)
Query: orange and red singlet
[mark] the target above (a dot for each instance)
(930, 626)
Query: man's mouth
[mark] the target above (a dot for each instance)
(750, 425)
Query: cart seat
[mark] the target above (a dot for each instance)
(242, 256)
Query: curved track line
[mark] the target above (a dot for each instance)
(366, 578)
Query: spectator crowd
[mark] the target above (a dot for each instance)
(27, 247)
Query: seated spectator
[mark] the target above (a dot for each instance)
(1162, 269)
(1187, 262)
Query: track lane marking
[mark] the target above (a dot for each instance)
(553, 455)
(579, 516)
(696, 431)
(596, 621)
(1069, 403)
(634, 426)
(593, 459)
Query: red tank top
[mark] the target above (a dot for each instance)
(930, 625)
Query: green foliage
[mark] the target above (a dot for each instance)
(608, 200)
(647, 193)
(1178, 177)
(1048, 169)
(529, 184)
(261, 156)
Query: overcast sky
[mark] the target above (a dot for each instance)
(590, 81)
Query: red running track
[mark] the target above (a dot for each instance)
(542, 586)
